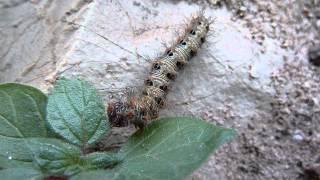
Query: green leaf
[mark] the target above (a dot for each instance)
(101, 159)
(57, 157)
(96, 175)
(14, 152)
(169, 148)
(20, 174)
(76, 112)
(54, 156)
(6, 162)
(22, 111)
(22, 114)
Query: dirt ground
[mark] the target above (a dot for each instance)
(285, 145)
(276, 114)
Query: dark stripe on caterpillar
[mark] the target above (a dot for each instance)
(140, 109)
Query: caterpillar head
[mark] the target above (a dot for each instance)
(123, 113)
(117, 113)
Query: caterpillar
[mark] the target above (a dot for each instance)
(138, 110)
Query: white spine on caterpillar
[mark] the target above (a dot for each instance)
(138, 110)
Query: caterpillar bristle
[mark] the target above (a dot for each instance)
(138, 110)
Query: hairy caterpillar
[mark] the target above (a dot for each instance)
(139, 109)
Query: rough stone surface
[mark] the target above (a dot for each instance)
(252, 73)
(34, 38)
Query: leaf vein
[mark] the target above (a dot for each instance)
(14, 113)
(145, 138)
(64, 120)
(165, 139)
(38, 110)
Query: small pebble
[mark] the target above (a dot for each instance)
(314, 55)
(318, 23)
(298, 135)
